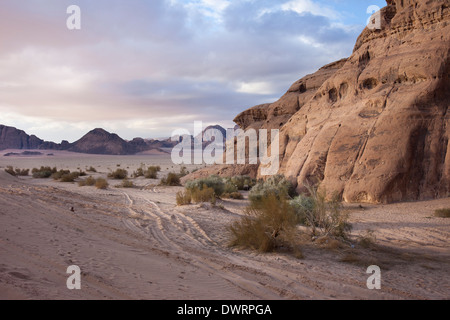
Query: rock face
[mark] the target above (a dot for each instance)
(374, 127)
(12, 138)
(99, 141)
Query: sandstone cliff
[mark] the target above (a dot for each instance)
(374, 127)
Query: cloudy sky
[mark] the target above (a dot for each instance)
(147, 67)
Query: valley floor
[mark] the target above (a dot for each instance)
(137, 244)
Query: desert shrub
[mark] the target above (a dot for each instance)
(233, 195)
(214, 182)
(43, 172)
(91, 169)
(183, 172)
(367, 239)
(139, 172)
(22, 172)
(101, 183)
(89, 181)
(118, 174)
(205, 194)
(303, 206)
(82, 174)
(276, 185)
(58, 175)
(152, 172)
(267, 227)
(327, 218)
(442, 213)
(172, 179)
(126, 184)
(184, 198)
(70, 177)
(243, 182)
(17, 171)
(10, 170)
(229, 187)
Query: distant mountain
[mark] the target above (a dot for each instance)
(12, 138)
(97, 141)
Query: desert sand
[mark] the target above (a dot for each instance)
(137, 244)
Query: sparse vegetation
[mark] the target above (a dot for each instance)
(276, 185)
(442, 213)
(126, 184)
(267, 227)
(91, 169)
(327, 218)
(89, 181)
(70, 177)
(118, 174)
(241, 182)
(101, 183)
(367, 239)
(59, 174)
(152, 172)
(183, 172)
(43, 172)
(184, 198)
(149, 173)
(214, 182)
(172, 179)
(233, 195)
(17, 171)
(205, 194)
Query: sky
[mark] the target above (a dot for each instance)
(143, 68)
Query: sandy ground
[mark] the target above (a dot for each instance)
(136, 244)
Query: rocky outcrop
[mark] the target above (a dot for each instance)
(374, 127)
(12, 138)
(275, 115)
(99, 141)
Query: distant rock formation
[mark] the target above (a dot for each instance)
(374, 127)
(97, 141)
(12, 138)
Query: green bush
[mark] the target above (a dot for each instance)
(276, 185)
(214, 182)
(303, 206)
(43, 172)
(266, 227)
(172, 179)
(242, 182)
(327, 218)
(229, 187)
(118, 174)
(184, 198)
(101, 183)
